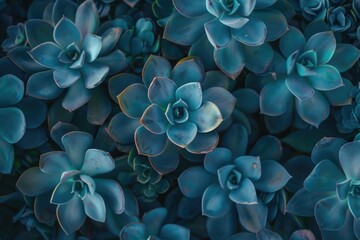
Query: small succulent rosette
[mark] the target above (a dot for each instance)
(12, 119)
(139, 39)
(146, 182)
(168, 110)
(68, 180)
(16, 37)
(348, 116)
(331, 191)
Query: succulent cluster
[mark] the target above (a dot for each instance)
(180, 119)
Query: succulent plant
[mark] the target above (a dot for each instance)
(152, 119)
(138, 39)
(331, 190)
(227, 181)
(314, 10)
(71, 177)
(77, 59)
(152, 227)
(146, 182)
(170, 109)
(310, 75)
(339, 19)
(16, 37)
(236, 30)
(12, 119)
(347, 117)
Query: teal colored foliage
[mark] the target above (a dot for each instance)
(180, 119)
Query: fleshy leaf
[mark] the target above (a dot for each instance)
(148, 143)
(252, 216)
(324, 177)
(64, 77)
(133, 231)
(94, 207)
(218, 34)
(196, 175)
(122, 128)
(92, 46)
(188, 70)
(217, 159)
(231, 59)
(253, 33)
(183, 30)
(311, 115)
(189, 8)
(350, 159)
(249, 166)
(66, 33)
(38, 31)
(215, 201)
(324, 44)
(162, 91)
(46, 54)
(76, 144)
(174, 232)
(6, 156)
(292, 41)
(245, 193)
(345, 56)
(223, 99)
(12, 90)
(275, 98)
(182, 134)
(154, 119)
(12, 124)
(55, 162)
(62, 194)
(191, 93)
(155, 66)
(97, 162)
(330, 213)
(41, 85)
(206, 118)
(34, 182)
(71, 216)
(326, 78)
(167, 161)
(133, 100)
(87, 18)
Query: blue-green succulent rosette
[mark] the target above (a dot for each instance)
(12, 119)
(227, 182)
(68, 180)
(72, 55)
(307, 74)
(16, 37)
(153, 226)
(313, 10)
(331, 190)
(341, 19)
(137, 41)
(347, 117)
(168, 110)
(238, 32)
(146, 182)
